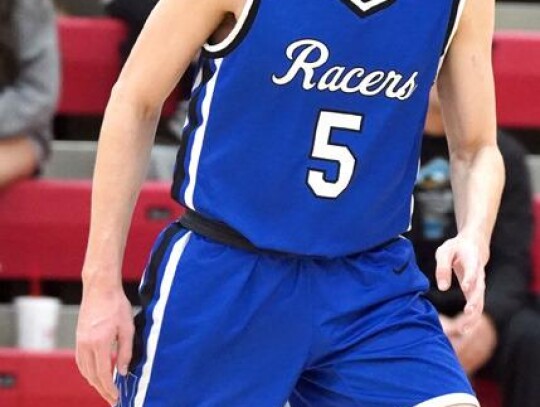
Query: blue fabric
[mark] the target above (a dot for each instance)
(244, 329)
(149, 291)
(206, 69)
(256, 156)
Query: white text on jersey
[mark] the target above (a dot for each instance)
(309, 55)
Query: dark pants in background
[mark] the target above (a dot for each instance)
(516, 364)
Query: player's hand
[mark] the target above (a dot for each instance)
(105, 318)
(466, 256)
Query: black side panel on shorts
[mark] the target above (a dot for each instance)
(148, 292)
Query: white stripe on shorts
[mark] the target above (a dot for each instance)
(157, 317)
(452, 399)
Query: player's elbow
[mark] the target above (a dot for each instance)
(485, 159)
(144, 104)
(467, 148)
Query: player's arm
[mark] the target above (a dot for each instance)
(467, 97)
(172, 36)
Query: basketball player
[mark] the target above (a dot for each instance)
(288, 278)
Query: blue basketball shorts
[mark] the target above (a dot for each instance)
(226, 327)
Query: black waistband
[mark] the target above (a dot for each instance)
(223, 233)
(218, 231)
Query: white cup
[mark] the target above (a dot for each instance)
(37, 322)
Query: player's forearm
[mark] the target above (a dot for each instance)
(477, 180)
(123, 155)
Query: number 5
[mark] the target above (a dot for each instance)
(341, 155)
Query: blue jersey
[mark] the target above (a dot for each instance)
(305, 123)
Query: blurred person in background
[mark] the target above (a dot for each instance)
(134, 13)
(29, 83)
(505, 344)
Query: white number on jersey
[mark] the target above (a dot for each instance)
(323, 149)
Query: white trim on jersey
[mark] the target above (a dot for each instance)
(198, 137)
(368, 5)
(157, 317)
(198, 80)
(196, 84)
(412, 197)
(461, 7)
(235, 31)
(452, 399)
(411, 214)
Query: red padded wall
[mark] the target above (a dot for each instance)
(44, 228)
(43, 380)
(516, 62)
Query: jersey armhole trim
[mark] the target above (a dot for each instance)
(453, 23)
(238, 33)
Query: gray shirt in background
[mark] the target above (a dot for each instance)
(28, 105)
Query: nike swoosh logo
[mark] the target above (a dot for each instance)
(402, 268)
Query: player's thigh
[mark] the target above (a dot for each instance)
(403, 360)
(384, 346)
(219, 327)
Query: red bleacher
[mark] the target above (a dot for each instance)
(90, 50)
(516, 62)
(44, 224)
(91, 62)
(43, 380)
